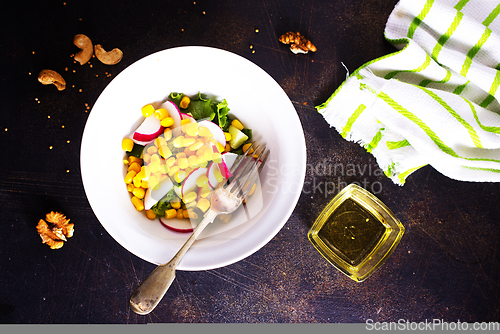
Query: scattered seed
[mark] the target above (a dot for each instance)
(48, 116)
(80, 90)
(33, 52)
(29, 73)
(253, 51)
(251, 46)
(6, 129)
(203, 13)
(66, 69)
(256, 31)
(50, 147)
(62, 126)
(67, 141)
(67, 170)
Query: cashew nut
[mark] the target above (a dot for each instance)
(48, 77)
(109, 58)
(84, 43)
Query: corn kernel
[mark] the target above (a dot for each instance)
(146, 158)
(135, 167)
(192, 214)
(204, 191)
(137, 181)
(188, 142)
(189, 197)
(178, 141)
(192, 160)
(170, 162)
(203, 204)
(225, 217)
(174, 169)
(167, 122)
(161, 113)
(127, 144)
(185, 213)
(228, 136)
(144, 184)
(132, 159)
(252, 190)
(165, 151)
(219, 146)
(172, 213)
(237, 124)
(138, 204)
(175, 203)
(191, 129)
(246, 146)
(167, 133)
(203, 131)
(184, 104)
(150, 214)
(130, 187)
(179, 214)
(201, 180)
(138, 192)
(181, 155)
(180, 176)
(147, 110)
(196, 146)
(130, 176)
(228, 147)
(151, 150)
(188, 152)
(207, 154)
(218, 175)
(216, 157)
(182, 163)
(160, 141)
(185, 121)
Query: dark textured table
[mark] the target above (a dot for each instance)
(446, 267)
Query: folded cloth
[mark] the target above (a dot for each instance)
(436, 101)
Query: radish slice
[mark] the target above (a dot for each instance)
(175, 113)
(177, 225)
(214, 174)
(189, 183)
(216, 131)
(186, 116)
(152, 196)
(222, 165)
(149, 129)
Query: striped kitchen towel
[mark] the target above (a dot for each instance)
(436, 100)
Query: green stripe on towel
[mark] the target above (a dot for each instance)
(375, 140)
(461, 4)
(422, 67)
(431, 134)
(352, 119)
(472, 52)
(444, 38)
(470, 129)
(418, 19)
(492, 16)
(392, 145)
(493, 90)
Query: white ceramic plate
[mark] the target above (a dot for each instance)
(253, 96)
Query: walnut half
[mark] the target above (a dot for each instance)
(299, 44)
(56, 230)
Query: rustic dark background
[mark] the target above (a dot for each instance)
(446, 267)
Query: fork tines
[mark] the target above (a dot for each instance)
(246, 169)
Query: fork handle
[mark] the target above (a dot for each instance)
(150, 292)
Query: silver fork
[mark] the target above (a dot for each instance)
(226, 198)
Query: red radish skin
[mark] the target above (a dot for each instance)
(149, 129)
(186, 116)
(177, 225)
(175, 113)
